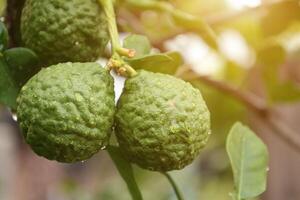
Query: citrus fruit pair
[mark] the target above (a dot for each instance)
(67, 113)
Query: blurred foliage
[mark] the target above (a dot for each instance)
(270, 59)
(280, 16)
(2, 7)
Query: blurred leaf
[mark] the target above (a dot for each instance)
(139, 43)
(234, 73)
(2, 7)
(126, 171)
(270, 58)
(249, 27)
(176, 56)
(22, 64)
(249, 159)
(3, 37)
(280, 16)
(272, 53)
(167, 63)
(8, 88)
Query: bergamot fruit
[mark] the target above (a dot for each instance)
(64, 30)
(66, 111)
(162, 122)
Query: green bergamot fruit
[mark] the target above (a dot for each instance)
(64, 30)
(162, 122)
(66, 111)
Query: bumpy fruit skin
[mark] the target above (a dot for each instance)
(66, 111)
(64, 30)
(162, 122)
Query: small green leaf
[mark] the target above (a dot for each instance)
(126, 171)
(139, 43)
(22, 64)
(3, 37)
(167, 63)
(8, 88)
(249, 159)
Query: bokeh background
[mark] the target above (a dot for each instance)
(257, 59)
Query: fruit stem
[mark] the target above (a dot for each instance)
(116, 62)
(112, 27)
(175, 187)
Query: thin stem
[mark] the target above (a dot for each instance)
(108, 8)
(175, 187)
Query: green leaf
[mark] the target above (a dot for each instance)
(22, 64)
(167, 63)
(249, 158)
(3, 37)
(8, 88)
(139, 43)
(126, 171)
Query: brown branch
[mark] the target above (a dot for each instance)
(253, 103)
(288, 135)
(12, 20)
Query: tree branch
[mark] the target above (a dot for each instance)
(248, 99)
(253, 103)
